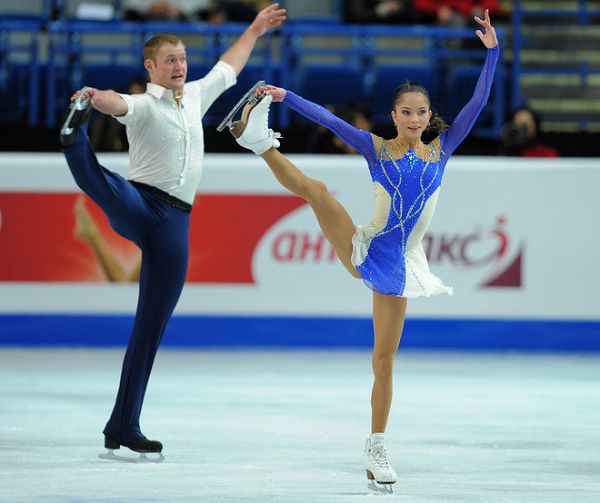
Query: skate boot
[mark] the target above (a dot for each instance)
(79, 114)
(252, 130)
(140, 445)
(376, 461)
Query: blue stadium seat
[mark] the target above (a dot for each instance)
(197, 71)
(331, 84)
(110, 76)
(31, 10)
(19, 70)
(461, 83)
(250, 74)
(14, 78)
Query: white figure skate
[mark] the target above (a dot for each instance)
(252, 130)
(379, 472)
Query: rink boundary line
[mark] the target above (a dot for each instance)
(205, 332)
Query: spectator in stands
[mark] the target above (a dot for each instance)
(321, 140)
(378, 11)
(453, 13)
(106, 134)
(164, 10)
(521, 136)
(353, 114)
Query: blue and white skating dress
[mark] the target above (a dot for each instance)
(388, 252)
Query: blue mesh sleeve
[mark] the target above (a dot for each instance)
(466, 118)
(357, 138)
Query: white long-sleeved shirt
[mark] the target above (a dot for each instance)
(166, 140)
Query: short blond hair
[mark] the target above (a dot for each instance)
(153, 45)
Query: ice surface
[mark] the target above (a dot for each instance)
(290, 426)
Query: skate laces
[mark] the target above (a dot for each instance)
(379, 456)
(273, 135)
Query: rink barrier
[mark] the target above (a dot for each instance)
(285, 332)
(516, 238)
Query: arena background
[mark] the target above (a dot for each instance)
(261, 389)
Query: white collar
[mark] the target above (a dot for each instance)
(159, 91)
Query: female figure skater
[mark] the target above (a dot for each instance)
(387, 254)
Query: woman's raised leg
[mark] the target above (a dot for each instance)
(334, 220)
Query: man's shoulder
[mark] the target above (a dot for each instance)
(139, 99)
(193, 88)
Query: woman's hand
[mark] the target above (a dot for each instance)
(278, 93)
(489, 37)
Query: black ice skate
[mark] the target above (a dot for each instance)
(79, 114)
(249, 97)
(142, 446)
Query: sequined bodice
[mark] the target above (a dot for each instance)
(409, 182)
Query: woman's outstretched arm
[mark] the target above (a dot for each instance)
(465, 120)
(357, 138)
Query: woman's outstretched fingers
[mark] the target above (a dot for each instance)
(489, 37)
(278, 93)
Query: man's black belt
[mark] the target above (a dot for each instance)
(173, 201)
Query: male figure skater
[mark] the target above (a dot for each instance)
(152, 206)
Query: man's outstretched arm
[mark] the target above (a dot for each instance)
(108, 102)
(239, 53)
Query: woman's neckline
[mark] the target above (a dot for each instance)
(428, 146)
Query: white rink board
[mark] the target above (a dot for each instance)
(548, 209)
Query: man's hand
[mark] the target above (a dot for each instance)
(268, 18)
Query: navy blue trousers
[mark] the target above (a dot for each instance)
(162, 233)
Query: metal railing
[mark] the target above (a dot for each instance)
(287, 56)
(582, 14)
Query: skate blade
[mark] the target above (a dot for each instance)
(153, 457)
(378, 488)
(247, 98)
(66, 130)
